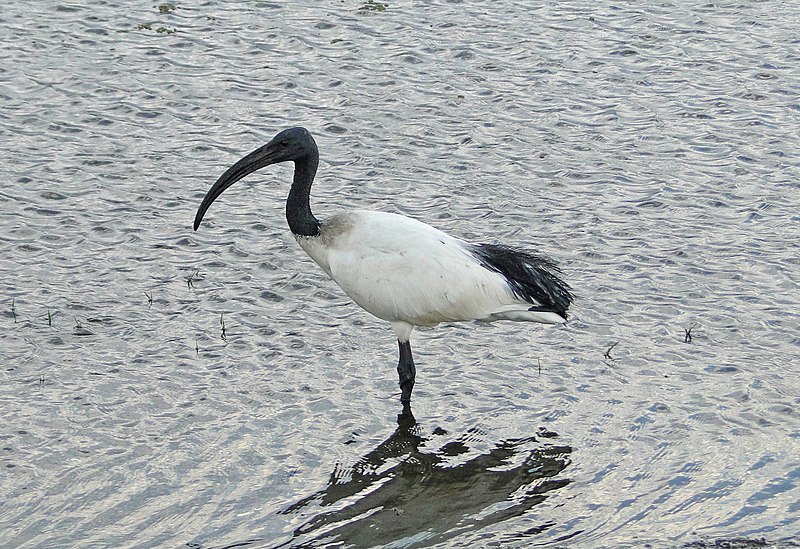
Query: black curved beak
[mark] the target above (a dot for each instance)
(259, 158)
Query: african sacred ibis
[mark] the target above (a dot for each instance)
(400, 269)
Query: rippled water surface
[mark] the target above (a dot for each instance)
(650, 148)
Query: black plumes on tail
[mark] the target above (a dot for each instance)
(531, 277)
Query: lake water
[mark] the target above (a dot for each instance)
(650, 148)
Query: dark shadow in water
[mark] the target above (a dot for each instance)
(404, 491)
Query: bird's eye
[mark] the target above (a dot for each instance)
(284, 143)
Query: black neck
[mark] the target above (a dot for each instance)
(298, 210)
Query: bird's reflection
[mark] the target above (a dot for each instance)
(404, 492)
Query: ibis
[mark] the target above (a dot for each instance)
(402, 270)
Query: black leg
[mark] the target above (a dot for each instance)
(407, 371)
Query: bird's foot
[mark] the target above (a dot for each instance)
(406, 386)
(407, 374)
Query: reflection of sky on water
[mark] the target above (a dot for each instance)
(649, 148)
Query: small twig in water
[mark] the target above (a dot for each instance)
(196, 348)
(80, 330)
(149, 299)
(688, 337)
(14, 310)
(539, 362)
(190, 278)
(49, 318)
(41, 380)
(222, 323)
(607, 354)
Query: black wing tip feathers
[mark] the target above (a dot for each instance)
(530, 276)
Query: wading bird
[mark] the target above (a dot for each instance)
(400, 269)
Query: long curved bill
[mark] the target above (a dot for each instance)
(259, 158)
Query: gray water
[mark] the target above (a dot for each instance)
(650, 148)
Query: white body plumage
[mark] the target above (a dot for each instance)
(410, 274)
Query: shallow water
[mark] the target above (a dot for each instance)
(650, 149)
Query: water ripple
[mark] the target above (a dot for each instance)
(649, 149)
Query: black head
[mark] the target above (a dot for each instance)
(294, 144)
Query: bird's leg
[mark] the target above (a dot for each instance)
(407, 371)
